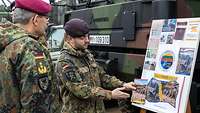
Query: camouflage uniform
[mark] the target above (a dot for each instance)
(83, 82)
(57, 103)
(43, 41)
(26, 73)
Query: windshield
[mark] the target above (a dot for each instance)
(55, 39)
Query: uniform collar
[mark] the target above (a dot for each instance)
(72, 51)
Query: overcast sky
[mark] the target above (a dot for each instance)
(1, 3)
(13, 0)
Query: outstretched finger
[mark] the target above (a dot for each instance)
(121, 88)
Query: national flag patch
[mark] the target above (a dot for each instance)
(65, 66)
(39, 55)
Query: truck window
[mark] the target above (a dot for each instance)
(55, 39)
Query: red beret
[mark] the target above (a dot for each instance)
(37, 6)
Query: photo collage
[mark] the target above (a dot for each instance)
(171, 53)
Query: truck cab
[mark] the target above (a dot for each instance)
(55, 41)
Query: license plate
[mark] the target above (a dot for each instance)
(99, 39)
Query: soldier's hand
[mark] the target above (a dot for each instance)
(118, 94)
(129, 86)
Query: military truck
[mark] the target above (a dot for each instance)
(4, 13)
(119, 31)
(55, 36)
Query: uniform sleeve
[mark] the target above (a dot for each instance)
(73, 82)
(108, 81)
(35, 79)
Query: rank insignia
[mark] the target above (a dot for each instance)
(42, 69)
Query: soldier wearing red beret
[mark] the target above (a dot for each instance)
(27, 82)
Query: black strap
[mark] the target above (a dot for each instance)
(14, 39)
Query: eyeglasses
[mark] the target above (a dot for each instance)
(40, 16)
(43, 16)
(13, 8)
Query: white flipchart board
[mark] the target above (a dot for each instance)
(169, 64)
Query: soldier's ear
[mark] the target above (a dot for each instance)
(35, 19)
(67, 37)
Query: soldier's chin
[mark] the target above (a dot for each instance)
(83, 48)
(86, 46)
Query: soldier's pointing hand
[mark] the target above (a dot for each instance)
(118, 94)
(129, 86)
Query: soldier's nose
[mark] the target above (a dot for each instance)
(87, 39)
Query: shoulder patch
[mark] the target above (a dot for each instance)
(40, 62)
(44, 84)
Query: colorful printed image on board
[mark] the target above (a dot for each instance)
(185, 60)
(151, 53)
(162, 91)
(167, 59)
(169, 39)
(179, 35)
(169, 25)
(193, 32)
(139, 95)
(153, 90)
(149, 65)
(169, 92)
